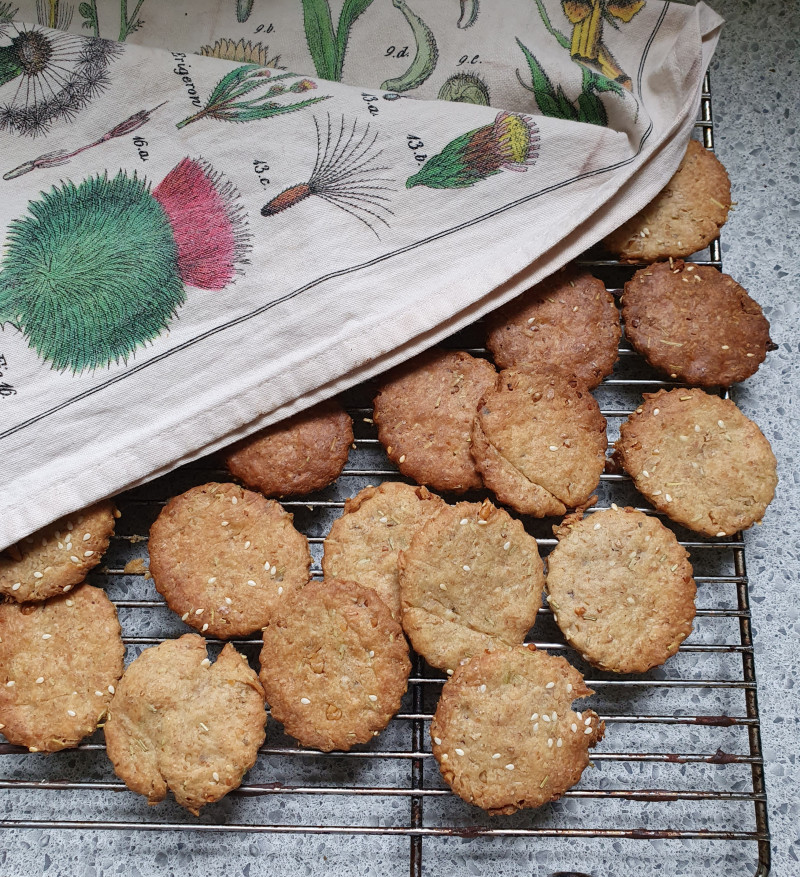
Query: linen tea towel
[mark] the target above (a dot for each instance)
(194, 247)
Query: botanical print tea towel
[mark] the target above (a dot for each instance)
(195, 247)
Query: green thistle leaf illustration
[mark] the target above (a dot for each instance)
(61, 281)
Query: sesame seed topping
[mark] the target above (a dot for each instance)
(74, 559)
(203, 726)
(509, 767)
(656, 493)
(615, 506)
(215, 776)
(204, 628)
(554, 715)
(234, 500)
(449, 672)
(71, 712)
(667, 497)
(10, 683)
(305, 700)
(442, 587)
(87, 537)
(88, 553)
(184, 616)
(535, 726)
(280, 591)
(402, 458)
(645, 473)
(47, 636)
(630, 600)
(384, 519)
(444, 756)
(697, 427)
(588, 731)
(655, 411)
(482, 688)
(373, 697)
(437, 741)
(597, 526)
(550, 685)
(496, 755)
(549, 742)
(465, 568)
(721, 424)
(212, 580)
(534, 717)
(247, 544)
(111, 689)
(199, 611)
(205, 662)
(69, 525)
(721, 533)
(569, 687)
(553, 447)
(574, 727)
(371, 653)
(224, 523)
(66, 588)
(1, 726)
(40, 680)
(506, 546)
(559, 742)
(98, 693)
(273, 570)
(545, 718)
(228, 601)
(579, 715)
(251, 583)
(16, 587)
(464, 521)
(587, 721)
(38, 575)
(459, 751)
(267, 565)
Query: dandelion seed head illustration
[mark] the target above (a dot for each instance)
(348, 174)
(47, 77)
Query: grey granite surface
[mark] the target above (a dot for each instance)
(754, 84)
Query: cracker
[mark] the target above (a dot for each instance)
(334, 665)
(297, 456)
(424, 413)
(683, 218)
(377, 523)
(621, 589)
(224, 558)
(699, 460)
(568, 321)
(504, 733)
(539, 441)
(56, 558)
(470, 580)
(59, 662)
(179, 722)
(695, 324)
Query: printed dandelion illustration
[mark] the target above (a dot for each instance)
(49, 77)
(229, 102)
(511, 142)
(98, 269)
(243, 52)
(347, 174)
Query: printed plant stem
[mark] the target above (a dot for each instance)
(88, 11)
(128, 25)
(427, 54)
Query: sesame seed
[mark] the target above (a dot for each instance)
(645, 473)
(46, 635)
(69, 525)
(509, 767)
(87, 537)
(184, 616)
(205, 662)
(10, 683)
(71, 712)
(402, 458)
(2, 726)
(74, 559)
(721, 533)
(60, 544)
(212, 580)
(437, 741)
(66, 588)
(88, 553)
(384, 519)
(442, 587)
(587, 721)
(655, 411)
(99, 693)
(481, 521)
(574, 727)
(40, 680)
(267, 565)
(656, 493)
(673, 567)
(199, 611)
(554, 715)
(224, 523)
(697, 427)
(247, 544)
(373, 697)
(534, 717)
(615, 506)
(449, 672)
(549, 742)
(569, 687)
(459, 751)
(305, 700)
(725, 347)
(506, 546)
(280, 591)
(588, 731)
(273, 570)
(228, 601)
(464, 521)
(38, 575)
(535, 726)
(750, 354)
(579, 715)
(559, 742)
(204, 628)
(111, 689)
(251, 583)
(667, 497)
(553, 447)
(16, 587)
(371, 653)
(721, 424)
(215, 776)
(496, 755)
(444, 756)
(465, 568)
(630, 600)
(597, 526)
(550, 685)
(234, 500)
(545, 718)
(482, 688)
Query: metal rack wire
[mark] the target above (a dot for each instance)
(678, 737)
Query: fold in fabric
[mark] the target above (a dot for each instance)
(196, 247)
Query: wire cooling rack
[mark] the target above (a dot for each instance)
(682, 759)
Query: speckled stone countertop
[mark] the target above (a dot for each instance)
(754, 85)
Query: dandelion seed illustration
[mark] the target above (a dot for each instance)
(511, 142)
(98, 269)
(347, 174)
(49, 77)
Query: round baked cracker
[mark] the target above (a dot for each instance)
(334, 665)
(621, 589)
(424, 415)
(504, 733)
(57, 557)
(698, 459)
(59, 662)
(694, 323)
(225, 558)
(377, 523)
(539, 441)
(568, 321)
(296, 456)
(683, 218)
(179, 722)
(470, 580)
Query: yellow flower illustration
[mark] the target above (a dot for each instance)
(243, 52)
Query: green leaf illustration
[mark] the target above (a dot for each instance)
(350, 12)
(425, 58)
(320, 37)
